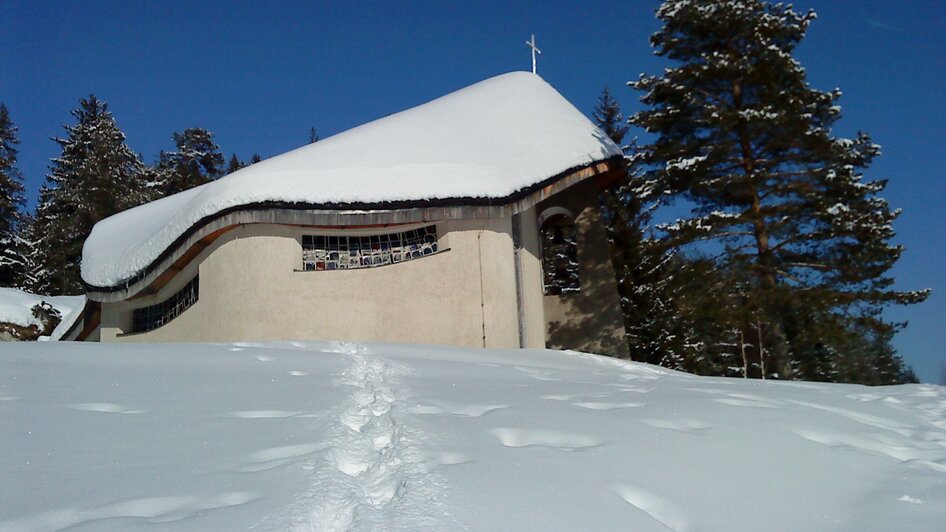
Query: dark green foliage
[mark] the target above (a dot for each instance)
(95, 176)
(196, 161)
(607, 115)
(648, 274)
(13, 262)
(793, 241)
(234, 164)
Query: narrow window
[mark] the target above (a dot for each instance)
(560, 256)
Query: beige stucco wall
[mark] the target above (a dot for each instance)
(530, 281)
(591, 319)
(251, 289)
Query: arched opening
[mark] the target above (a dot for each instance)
(559, 252)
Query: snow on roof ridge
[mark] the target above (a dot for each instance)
(488, 140)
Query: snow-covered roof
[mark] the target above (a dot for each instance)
(489, 140)
(69, 319)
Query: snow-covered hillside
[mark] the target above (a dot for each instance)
(16, 306)
(322, 436)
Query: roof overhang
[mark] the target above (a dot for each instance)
(202, 234)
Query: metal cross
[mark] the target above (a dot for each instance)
(531, 44)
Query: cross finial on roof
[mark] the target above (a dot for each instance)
(531, 44)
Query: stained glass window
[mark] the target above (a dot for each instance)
(350, 252)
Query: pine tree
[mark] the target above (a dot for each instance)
(607, 115)
(645, 271)
(197, 161)
(95, 176)
(13, 266)
(234, 164)
(742, 138)
(313, 136)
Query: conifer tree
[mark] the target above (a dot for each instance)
(648, 274)
(234, 164)
(196, 161)
(13, 267)
(608, 116)
(95, 176)
(313, 136)
(743, 139)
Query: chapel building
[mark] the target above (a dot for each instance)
(471, 220)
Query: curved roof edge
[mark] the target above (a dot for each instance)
(480, 145)
(210, 227)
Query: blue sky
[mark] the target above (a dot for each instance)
(260, 74)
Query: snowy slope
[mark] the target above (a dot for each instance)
(322, 436)
(16, 306)
(488, 140)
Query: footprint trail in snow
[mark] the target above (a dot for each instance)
(373, 472)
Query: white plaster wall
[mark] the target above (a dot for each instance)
(250, 289)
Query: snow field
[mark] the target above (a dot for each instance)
(340, 436)
(16, 306)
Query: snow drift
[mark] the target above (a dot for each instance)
(488, 140)
(338, 436)
(16, 306)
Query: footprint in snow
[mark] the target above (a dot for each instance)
(562, 397)
(658, 508)
(592, 405)
(443, 408)
(743, 403)
(8, 398)
(554, 439)
(247, 344)
(263, 414)
(435, 460)
(108, 408)
(266, 358)
(927, 454)
(447, 458)
(629, 388)
(711, 391)
(746, 400)
(148, 509)
(866, 397)
(862, 418)
(276, 456)
(686, 426)
(538, 374)
(638, 377)
(925, 392)
(297, 373)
